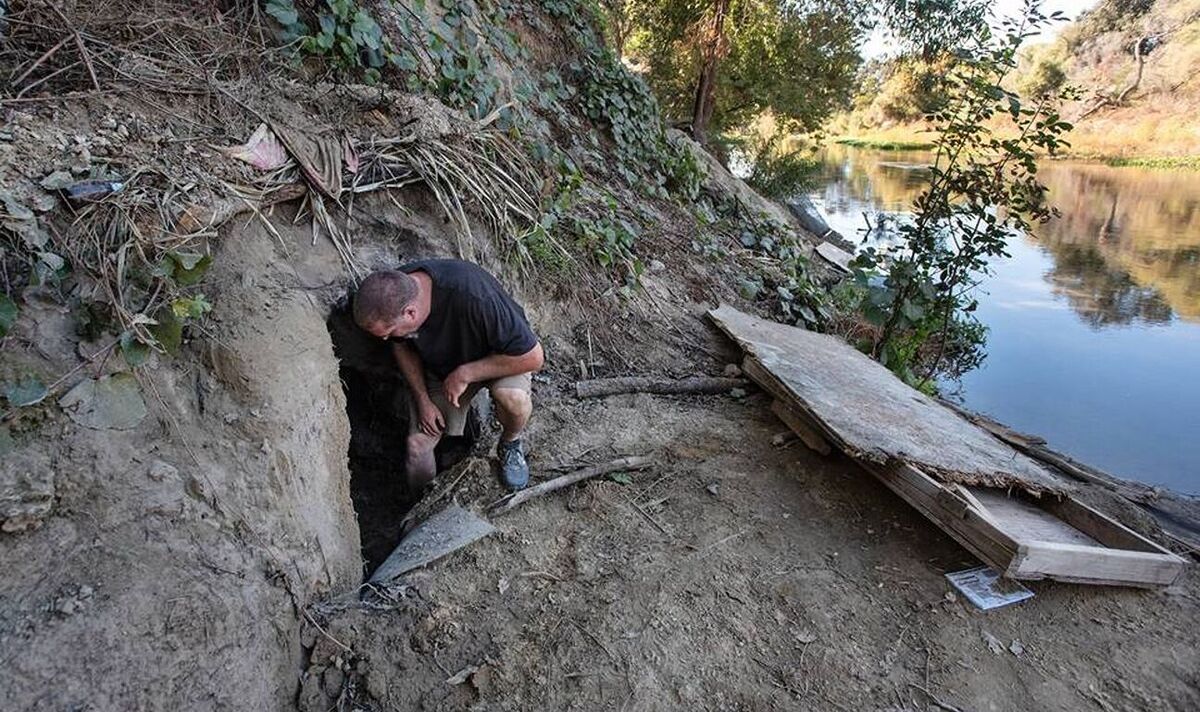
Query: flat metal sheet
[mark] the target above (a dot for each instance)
(445, 532)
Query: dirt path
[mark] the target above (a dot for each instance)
(799, 584)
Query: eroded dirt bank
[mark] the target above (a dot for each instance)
(735, 574)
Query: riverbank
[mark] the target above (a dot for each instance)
(1162, 142)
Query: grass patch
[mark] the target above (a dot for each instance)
(1190, 163)
(884, 144)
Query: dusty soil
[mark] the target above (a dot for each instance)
(734, 574)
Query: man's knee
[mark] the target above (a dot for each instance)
(512, 400)
(420, 444)
(420, 467)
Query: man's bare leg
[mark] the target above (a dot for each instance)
(513, 408)
(420, 466)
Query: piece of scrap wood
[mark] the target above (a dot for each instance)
(870, 413)
(835, 255)
(445, 532)
(809, 435)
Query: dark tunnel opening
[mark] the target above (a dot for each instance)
(377, 409)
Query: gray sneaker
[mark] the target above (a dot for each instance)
(514, 471)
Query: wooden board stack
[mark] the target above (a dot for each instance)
(1007, 509)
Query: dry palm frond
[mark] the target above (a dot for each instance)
(478, 172)
(481, 170)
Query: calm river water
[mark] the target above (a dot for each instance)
(1094, 321)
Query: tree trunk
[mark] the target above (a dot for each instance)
(715, 47)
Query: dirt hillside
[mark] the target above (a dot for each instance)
(199, 463)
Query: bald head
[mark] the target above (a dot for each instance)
(382, 297)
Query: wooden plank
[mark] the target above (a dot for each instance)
(1001, 534)
(969, 528)
(1073, 563)
(1107, 531)
(875, 415)
(835, 255)
(760, 375)
(808, 435)
(1034, 523)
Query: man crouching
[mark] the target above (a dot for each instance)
(454, 330)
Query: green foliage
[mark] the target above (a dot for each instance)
(619, 101)
(134, 349)
(929, 29)
(1047, 78)
(121, 279)
(779, 275)
(886, 145)
(1165, 162)
(591, 220)
(184, 268)
(780, 173)
(8, 314)
(1108, 16)
(344, 34)
(26, 391)
(913, 88)
(983, 190)
(796, 59)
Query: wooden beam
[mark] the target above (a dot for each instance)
(1074, 563)
(799, 425)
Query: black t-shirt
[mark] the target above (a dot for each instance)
(470, 317)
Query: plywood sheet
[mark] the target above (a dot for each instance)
(871, 414)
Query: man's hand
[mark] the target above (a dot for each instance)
(456, 384)
(432, 422)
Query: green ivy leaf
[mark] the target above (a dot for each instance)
(912, 311)
(133, 351)
(168, 332)
(749, 289)
(27, 391)
(621, 478)
(8, 314)
(189, 267)
(283, 11)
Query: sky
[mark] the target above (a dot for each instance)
(879, 45)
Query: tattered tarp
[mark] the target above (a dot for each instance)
(870, 414)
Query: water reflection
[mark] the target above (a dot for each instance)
(1094, 321)
(1125, 250)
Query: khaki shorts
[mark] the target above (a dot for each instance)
(456, 418)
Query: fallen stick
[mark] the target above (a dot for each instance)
(694, 385)
(634, 462)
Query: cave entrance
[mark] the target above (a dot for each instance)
(377, 408)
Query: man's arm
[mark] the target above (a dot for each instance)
(490, 368)
(432, 422)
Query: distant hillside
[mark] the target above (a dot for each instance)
(1135, 64)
